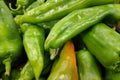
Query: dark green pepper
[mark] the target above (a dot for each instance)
(78, 21)
(10, 40)
(104, 43)
(111, 75)
(33, 41)
(55, 9)
(88, 67)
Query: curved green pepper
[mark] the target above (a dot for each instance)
(33, 5)
(10, 40)
(65, 68)
(78, 21)
(33, 41)
(56, 9)
(104, 43)
(88, 67)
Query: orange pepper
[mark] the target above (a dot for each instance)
(65, 68)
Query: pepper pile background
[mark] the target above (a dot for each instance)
(59, 40)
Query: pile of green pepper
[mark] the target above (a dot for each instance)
(60, 40)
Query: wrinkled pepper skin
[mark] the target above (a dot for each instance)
(48, 10)
(26, 72)
(78, 21)
(104, 43)
(88, 67)
(33, 41)
(65, 68)
(10, 40)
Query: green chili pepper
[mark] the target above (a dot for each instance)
(45, 25)
(35, 4)
(24, 27)
(48, 25)
(65, 68)
(78, 21)
(10, 41)
(88, 67)
(103, 42)
(33, 41)
(27, 72)
(41, 1)
(56, 9)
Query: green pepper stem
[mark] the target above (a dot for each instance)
(18, 7)
(53, 53)
(7, 63)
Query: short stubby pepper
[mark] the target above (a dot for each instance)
(65, 68)
(78, 21)
(10, 40)
(104, 43)
(88, 67)
(33, 41)
(55, 9)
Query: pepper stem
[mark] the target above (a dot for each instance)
(7, 63)
(53, 53)
(18, 8)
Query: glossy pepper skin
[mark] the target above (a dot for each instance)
(33, 41)
(65, 68)
(10, 40)
(33, 5)
(45, 25)
(103, 42)
(78, 21)
(26, 72)
(88, 67)
(48, 10)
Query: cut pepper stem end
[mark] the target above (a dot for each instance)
(53, 53)
(7, 63)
